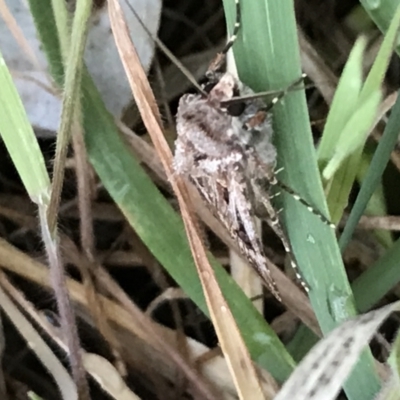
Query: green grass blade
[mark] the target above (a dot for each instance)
(267, 56)
(344, 103)
(374, 174)
(62, 21)
(70, 101)
(377, 203)
(302, 342)
(353, 133)
(378, 280)
(48, 38)
(160, 228)
(20, 140)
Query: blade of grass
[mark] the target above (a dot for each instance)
(377, 203)
(344, 103)
(73, 58)
(43, 14)
(43, 352)
(352, 134)
(151, 215)
(267, 57)
(323, 371)
(48, 214)
(343, 107)
(20, 139)
(378, 279)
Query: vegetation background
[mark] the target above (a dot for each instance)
(116, 231)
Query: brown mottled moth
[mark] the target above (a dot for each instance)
(224, 147)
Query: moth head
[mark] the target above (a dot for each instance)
(222, 88)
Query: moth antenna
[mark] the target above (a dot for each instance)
(279, 94)
(236, 29)
(285, 92)
(219, 59)
(164, 49)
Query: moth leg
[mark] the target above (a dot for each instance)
(305, 203)
(273, 221)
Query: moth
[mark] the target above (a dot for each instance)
(223, 152)
(224, 147)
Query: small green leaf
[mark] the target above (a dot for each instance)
(344, 103)
(20, 139)
(354, 133)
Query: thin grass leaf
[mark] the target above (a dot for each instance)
(50, 43)
(48, 214)
(378, 279)
(72, 51)
(20, 139)
(353, 133)
(153, 219)
(267, 57)
(302, 342)
(43, 352)
(377, 203)
(344, 103)
(62, 20)
(323, 371)
(346, 96)
(109, 378)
